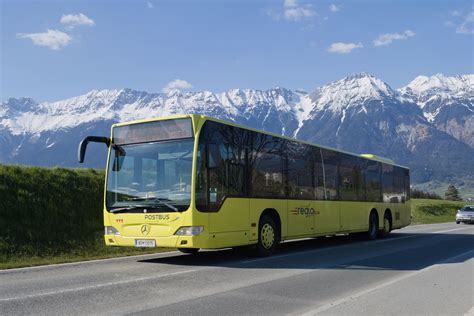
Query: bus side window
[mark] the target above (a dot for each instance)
(347, 177)
(300, 171)
(318, 178)
(330, 171)
(388, 190)
(373, 187)
(266, 161)
(232, 150)
(399, 185)
(225, 177)
(407, 188)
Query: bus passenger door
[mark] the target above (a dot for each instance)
(300, 217)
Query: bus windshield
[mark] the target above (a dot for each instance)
(153, 176)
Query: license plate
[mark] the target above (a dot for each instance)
(143, 243)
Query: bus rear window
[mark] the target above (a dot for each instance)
(153, 131)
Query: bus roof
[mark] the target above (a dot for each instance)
(199, 117)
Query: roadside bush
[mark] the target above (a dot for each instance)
(47, 211)
(439, 209)
(419, 194)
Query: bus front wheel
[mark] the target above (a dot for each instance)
(373, 226)
(189, 250)
(267, 236)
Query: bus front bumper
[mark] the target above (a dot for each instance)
(209, 240)
(160, 242)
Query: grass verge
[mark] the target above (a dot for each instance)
(98, 250)
(434, 211)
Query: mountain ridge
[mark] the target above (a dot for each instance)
(359, 113)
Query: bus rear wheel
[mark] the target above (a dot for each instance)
(191, 251)
(373, 226)
(387, 225)
(267, 236)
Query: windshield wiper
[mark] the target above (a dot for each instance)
(174, 208)
(161, 201)
(129, 208)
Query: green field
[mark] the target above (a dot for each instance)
(54, 215)
(434, 211)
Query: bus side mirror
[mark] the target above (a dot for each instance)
(119, 157)
(81, 151)
(213, 156)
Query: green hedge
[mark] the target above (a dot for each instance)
(47, 211)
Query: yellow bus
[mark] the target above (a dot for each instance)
(191, 182)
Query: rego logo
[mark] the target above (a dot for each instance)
(304, 211)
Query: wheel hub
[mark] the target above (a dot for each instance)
(267, 235)
(386, 225)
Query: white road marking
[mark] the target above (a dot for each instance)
(96, 286)
(449, 230)
(351, 297)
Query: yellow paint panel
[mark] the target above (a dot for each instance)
(233, 216)
(300, 217)
(257, 206)
(326, 219)
(354, 215)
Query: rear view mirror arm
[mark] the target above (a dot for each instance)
(81, 151)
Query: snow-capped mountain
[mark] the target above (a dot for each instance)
(359, 113)
(447, 102)
(363, 114)
(272, 109)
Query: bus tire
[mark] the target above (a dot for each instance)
(191, 251)
(267, 237)
(387, 224)
(373, 226)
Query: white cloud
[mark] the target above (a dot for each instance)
(150, 5)
(53, 39)
(274, 14)
(343, 48)
(77, 19)
(177, 84)
(455, 13)
(467, 25)
(388, 38)
(334, 8)
(292, 11)
(449, 24)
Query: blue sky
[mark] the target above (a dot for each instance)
(56, 49)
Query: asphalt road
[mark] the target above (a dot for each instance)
(419, 270)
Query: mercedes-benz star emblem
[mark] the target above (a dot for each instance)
(145, 229)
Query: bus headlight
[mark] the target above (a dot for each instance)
(110, 230)
(189, 230)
